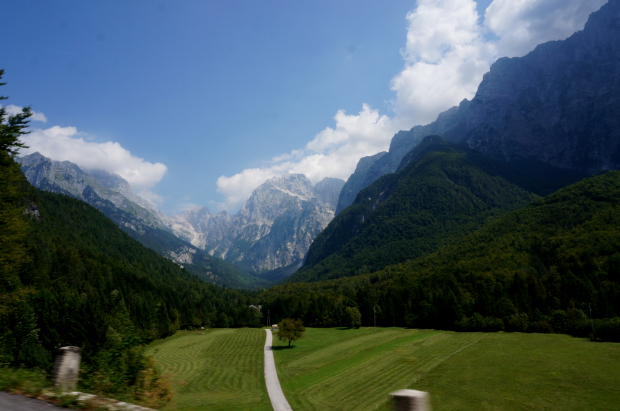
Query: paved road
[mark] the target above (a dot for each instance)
(13, 402)
(278, 400)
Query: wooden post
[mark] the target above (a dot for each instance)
(411, 400)
(67, 368)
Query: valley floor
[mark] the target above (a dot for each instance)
(215, 369)
(343, 369)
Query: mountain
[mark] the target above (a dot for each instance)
(112, 195)
(545, 268)
(440, 193)
(87, 283)
(273, 229)
(356, 181)
(67, 178)
(558, 104)
(372, 167)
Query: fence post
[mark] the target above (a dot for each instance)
(67, 368)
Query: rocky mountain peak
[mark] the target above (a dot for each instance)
(292, 184)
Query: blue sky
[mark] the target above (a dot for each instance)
(198, 102)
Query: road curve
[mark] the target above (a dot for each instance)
(278, 400)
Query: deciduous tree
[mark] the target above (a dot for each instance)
(291, 330)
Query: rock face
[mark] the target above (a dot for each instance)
(93, 187)
(110, 194)
(356, 181)
(559, 104)
(273, 229)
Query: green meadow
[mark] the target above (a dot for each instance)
(215, 369)
(342, 369)
(348, 369)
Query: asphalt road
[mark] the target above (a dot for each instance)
(278, 400)
(14, 402)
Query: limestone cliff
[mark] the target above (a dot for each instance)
(272, 230)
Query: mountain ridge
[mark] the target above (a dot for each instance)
(557, 104)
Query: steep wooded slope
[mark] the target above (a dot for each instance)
(538, 268)
(84, 275)
(440, 193)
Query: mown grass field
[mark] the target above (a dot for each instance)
(218, 369)
(340, 369)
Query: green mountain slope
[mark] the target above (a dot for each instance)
(537, 268)
(84, 275)
(208, 268)
(440, 193)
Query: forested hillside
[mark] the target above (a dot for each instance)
(83, 274)
(539, 268)
(112, 195)
(440, 193)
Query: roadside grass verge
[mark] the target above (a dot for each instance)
(216, 369)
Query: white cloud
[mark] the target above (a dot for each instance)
(64, 144)
(446, 56)
(36, 116)
(523, 24)
(334, 152)
(447, 52)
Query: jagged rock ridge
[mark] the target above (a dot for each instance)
(272, 230)
(112, 195)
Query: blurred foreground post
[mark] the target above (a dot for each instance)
(411, 400)
(66, 368)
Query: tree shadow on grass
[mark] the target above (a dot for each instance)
(281, 347)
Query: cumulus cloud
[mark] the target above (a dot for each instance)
(334, 152)
(522, 25)
(36, 116)
(446, 56)
(448, 49)
(65, 144)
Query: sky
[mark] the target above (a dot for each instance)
(196, 103)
